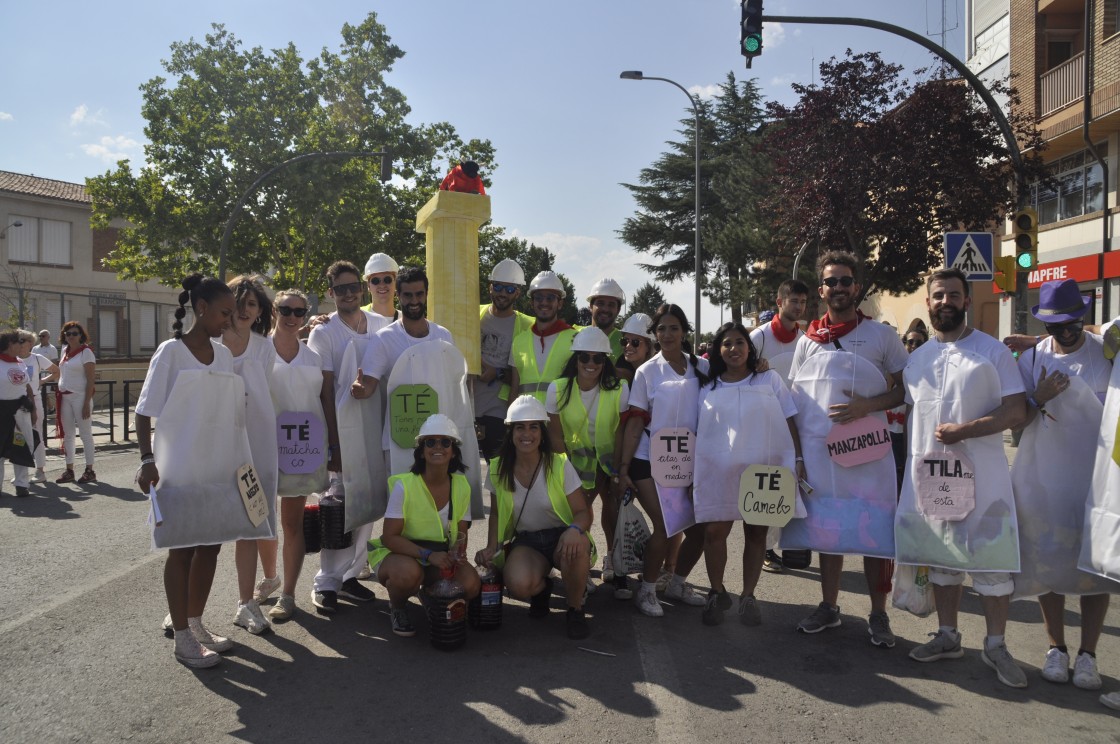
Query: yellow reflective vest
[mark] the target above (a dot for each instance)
(587, 455)
(533, 381)
(521, 323)
(421, 517)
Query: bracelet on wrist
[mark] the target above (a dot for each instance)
(146, 456)
(577, 528)
(799, 458)
(425, 554)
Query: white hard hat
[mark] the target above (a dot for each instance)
(438, 425)
(379, 263)
(547, 280)
(638, 324)
(509, 271)
(593, 340)
(526, 408)
(607, 288)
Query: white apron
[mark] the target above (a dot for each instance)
(1100, 543)
(200, 442)
(677, 402)
(359, 438)
(851, 509)
(262, 429)
(295, 389)
(738, 427)
(958, 386)
(442, 366)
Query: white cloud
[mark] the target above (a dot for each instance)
(81, 116)
(112, 149)
(773, 35)
(783, 81)
(5, 116)
(704, 91)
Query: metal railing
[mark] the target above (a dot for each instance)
(111, 414)
(1062, 85)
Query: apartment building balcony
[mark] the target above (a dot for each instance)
(1062, 85)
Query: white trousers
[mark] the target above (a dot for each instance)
(72, 419)
(337, 566)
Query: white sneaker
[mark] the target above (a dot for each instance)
(648, 604)
(192, 653)
(683, 592)
(608, 569)
(1085, 674)
(1056, 667)
(1111, 700)
(284, 608)
(206, 638)
(250, 618)
(39, 477)
(364, 572)
(265, 588)
(168, 626)
(663, 580)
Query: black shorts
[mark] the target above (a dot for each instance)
(542, 541)
(639, 470)
(493, 430)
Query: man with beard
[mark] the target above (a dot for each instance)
(539, 354)
(500, 323)
(605, 302)
(956, 513)
(851, 510)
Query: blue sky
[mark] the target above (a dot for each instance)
(538, 79)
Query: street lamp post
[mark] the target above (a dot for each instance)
(637, 75)
(4, 232)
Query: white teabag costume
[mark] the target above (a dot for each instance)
(951, 383)
(851, 509)
(255, 368)
(200, 442)
(295, 390)
(739, 425)
(676, 408)
(359, 437)
(1100, 543)
(1053, 472)
(441, 366)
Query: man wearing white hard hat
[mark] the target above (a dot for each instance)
(500, 323)
(540, 353)
(381, 278)
(605, 301)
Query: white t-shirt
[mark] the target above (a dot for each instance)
(395, 509)
(391, 342)
(48, 351)
(644, 389)
(768, 378)
(538, 513)
(329, 340)
(1088, 363)
(259, 348)
(590, 399)
(170, 358)
(13, 384)
(769, 347)
(870, 339)
(36, 365)
(304, 358)
(72, 376)
(978, 342)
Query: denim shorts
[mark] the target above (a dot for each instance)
(542, 541)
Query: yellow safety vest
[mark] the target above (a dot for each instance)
(532, 381)
(521, 322)
(584, 453)
(421, 518)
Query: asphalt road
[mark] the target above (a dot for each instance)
(83, 659)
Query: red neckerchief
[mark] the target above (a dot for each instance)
(8, 358)
(824, 332)
(58, 393)
(781, 335)
(558, 326)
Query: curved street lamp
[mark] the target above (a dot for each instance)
(4, 232)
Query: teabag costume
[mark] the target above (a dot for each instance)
(359, 437)
(1100, 543)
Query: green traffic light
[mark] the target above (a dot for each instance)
(752, 43)
(1025, 260)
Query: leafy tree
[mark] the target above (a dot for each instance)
(875, 164)
(229, 114)
(734, 233)
(647, 299)
(493, 246)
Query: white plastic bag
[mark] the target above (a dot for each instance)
(912, 590)
(630, 535)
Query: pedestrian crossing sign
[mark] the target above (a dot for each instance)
(971, 252)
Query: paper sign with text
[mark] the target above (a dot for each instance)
(862, 441)
(301, 440)
(767, 495)
(409, 407)
(946, 486)
(252, 495)
(670, 456)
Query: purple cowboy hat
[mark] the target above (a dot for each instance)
(1060, 302)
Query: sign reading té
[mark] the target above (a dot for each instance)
(971, 252)
(409, 407)
(766, 495)
(670, 456)
(300, 438)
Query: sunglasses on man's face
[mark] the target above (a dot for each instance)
(1057, 329)
(843, 281)
(442, 442)
(347, 289)
(286, 311)
(585, 358)
(375, 280)
(507, 288)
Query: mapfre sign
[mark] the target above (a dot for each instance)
(1081, 269)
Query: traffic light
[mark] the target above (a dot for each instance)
(750, 34)
(1025, 229)
(1005, 276)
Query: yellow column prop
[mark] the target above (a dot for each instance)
(450, 222)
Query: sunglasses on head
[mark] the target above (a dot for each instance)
(1057, 329)
(74, 333)
(443, 442)
(375, 280)
(635, 342)
(843, 281)
(286, 311)
(347, 289)
(507, 288)
(596, 358)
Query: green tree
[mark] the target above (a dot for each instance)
(494, 246)
(228, 114)
(733, 230)
(647, 299)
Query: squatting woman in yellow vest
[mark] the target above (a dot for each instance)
(584, 404)
(538, 503)
(426, 522)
